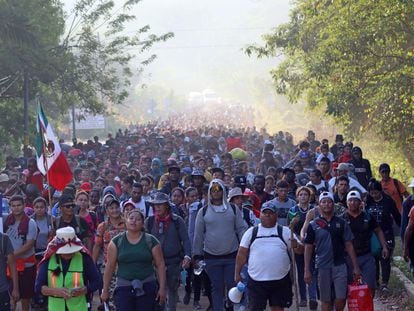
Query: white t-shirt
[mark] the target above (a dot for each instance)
(268, 257)
(141, 206)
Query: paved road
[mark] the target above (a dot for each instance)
(379, 305)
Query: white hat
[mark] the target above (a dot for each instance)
(353, 195)
(67, 236)
(411, 185)
(4, 178)
(326, 195)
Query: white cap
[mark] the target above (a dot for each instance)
(353, 195)
(326, 195)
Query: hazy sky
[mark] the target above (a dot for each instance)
(209, 36)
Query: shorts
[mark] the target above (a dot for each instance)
(27, 280)
(336, 276)
(278, 293)
(367, 266)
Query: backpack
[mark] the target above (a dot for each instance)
(279, 235)
(375, 243)
(246, 217)
(151, 221)
(77, 220)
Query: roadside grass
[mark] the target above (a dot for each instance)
(398, 260)
(397, 295)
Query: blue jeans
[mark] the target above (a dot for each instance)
(125, 299)
(220, 272)
(173, 282)
(5, 301)
(300, 268)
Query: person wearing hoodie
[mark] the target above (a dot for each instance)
(218, 229)
(362, 167)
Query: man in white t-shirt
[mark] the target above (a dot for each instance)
(138, 201)
(266, 248)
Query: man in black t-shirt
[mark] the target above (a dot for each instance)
(363, 226)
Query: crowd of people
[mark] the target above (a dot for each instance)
(161, 205)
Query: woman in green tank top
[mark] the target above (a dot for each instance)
(135, 253)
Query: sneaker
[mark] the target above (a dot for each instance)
(385, 290)
(303, 303)
(196, 305)
(313, 304)
(186, 299)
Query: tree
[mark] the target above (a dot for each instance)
(355, 58)
(82, 58)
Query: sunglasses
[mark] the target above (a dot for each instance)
(69, 205)
(216, 188)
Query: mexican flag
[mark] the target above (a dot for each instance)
(50, 158)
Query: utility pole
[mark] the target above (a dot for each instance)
(25, 109)
(74, 140)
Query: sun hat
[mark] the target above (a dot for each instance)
(67, 241)
(235, 192)
(159, 198)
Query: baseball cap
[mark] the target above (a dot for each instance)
(342, 167)
(240, 180)
(65, 198)
(353, 195)
(4, 177)
(268, 206)
(326, 195)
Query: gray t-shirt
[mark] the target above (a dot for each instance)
(6, 248)
(283, 210)
(41, 241)
(17, 241)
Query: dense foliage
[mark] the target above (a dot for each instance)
(355, 59)
(81, 58)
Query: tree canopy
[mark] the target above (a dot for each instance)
(355, 58)
(80, 58)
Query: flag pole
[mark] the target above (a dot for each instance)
(39, 107)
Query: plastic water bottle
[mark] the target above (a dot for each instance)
(241, 286)
(183, 277)
(199, 267)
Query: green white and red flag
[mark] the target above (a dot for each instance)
(51, 161)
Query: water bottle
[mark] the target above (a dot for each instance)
(183, 277)
(241, 286)
(198, 269)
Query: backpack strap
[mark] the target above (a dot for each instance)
(396, 185)
(246, 216)
(254, 235)
(147, 209)
(279, 235)
(150, 223)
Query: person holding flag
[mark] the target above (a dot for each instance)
(51, 161)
